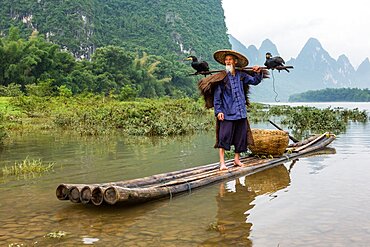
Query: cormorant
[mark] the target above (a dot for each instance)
(198, 66)
(273, 62)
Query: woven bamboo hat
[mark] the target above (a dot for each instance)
(220, 55)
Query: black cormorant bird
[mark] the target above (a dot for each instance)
(273, 62)
(201, 66)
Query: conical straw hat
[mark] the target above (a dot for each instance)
(220, 55)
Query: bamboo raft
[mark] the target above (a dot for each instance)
(166, 185)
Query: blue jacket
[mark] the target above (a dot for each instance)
(229, 96)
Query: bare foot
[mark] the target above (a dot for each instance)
(238, 163)
(223, 167)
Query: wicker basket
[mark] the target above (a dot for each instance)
(269, 142)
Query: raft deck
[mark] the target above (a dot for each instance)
(172, 183)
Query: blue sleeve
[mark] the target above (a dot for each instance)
(217, 100)
(252, 80)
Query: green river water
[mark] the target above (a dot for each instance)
(320, 200)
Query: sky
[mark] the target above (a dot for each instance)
(342, 27)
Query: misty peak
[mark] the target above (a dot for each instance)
(314, 69)
(312, 42)
(312, 46)
(252, 48)
(366, 61)
(364, 67)
(343, 59)
(267, 42)
(268, 46)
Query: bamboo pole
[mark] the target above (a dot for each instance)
(264, 69)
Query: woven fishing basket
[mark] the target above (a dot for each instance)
(269, 142)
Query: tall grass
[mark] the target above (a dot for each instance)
(27, 167)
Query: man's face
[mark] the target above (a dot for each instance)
(230, 60)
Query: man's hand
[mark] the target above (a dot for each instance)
(220, 116)
(256, 69)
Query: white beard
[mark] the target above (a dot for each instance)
(229, 68)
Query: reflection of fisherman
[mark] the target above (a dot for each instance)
(234, 207)
(228, 90)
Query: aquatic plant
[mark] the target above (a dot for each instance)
(58, 234)
(27, 167)
(304, 121)
(15, 245)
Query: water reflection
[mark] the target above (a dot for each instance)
(316, 162)
(235, 200)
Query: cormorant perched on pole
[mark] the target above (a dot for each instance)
(273, 62)
(198, 66)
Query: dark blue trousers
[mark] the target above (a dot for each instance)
(233, 132)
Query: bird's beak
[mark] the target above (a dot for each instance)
(188, 58)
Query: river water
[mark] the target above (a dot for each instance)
(320, 200)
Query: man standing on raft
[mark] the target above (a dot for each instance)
(229, 89)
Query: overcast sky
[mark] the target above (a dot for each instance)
(342, 27)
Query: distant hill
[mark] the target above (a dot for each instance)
(158, 27)
(314, 69)
(333, 95)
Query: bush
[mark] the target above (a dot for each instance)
(12, 90)
(128, 92)
(41, 89)
(64, 91)
(3, 134)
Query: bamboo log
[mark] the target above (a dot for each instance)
(310, 143)
(303, 142)
(215, 172)
(86, 193)
(118, 194)
(62, 191)
(169, 176)
(74, 193)
(97, 194)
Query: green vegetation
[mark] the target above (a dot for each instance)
(163, 28)
(100, 115)
(27, 167)
(37, 67)
(2, 129)
(304, 121)
(97, 115)
(333, 95)
(58, 234)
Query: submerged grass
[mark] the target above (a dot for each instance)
(27, 167)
